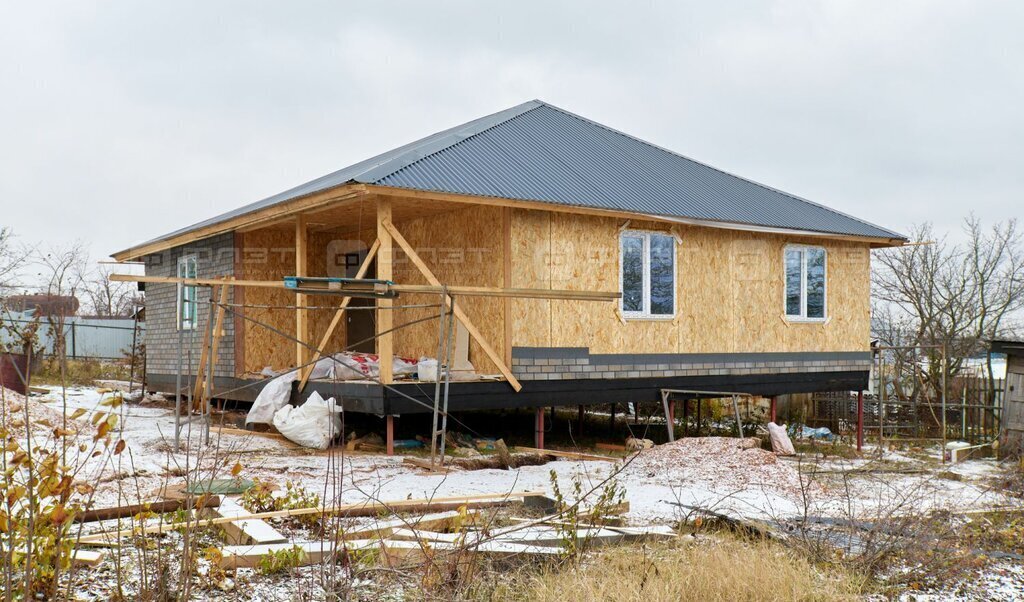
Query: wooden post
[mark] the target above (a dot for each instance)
(538, 436)
(301, 328)
(771, 412)
(385, 262)
(860, 420)
(390, 435)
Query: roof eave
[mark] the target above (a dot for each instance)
(274, 212)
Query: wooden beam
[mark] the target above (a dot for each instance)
(566, 454)
(326, 339)
(463, 291)
(156, 507)
(301, 259)
(459, 313)
(253, 218)
(201, 396)
(385, 315)
(506, 280)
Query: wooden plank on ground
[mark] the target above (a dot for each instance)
(610, 446)
(425, 464)
(87, 558)
(156, 507)
(440, 521)
(567, 454)
(364, 508)
(249, 531)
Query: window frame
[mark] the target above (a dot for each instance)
(192, 322)
(645, 313)
(803, 284)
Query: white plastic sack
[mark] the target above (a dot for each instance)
(781, 443)
(277, 392)
(313, 424)
(274, 396)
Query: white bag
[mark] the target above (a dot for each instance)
(313, 424)
(272, 397)
(781, 443)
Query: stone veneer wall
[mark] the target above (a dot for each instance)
(562, 363)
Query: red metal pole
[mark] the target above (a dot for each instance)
(390, 435)
(860, 420)
(538, 439)
(772, 411)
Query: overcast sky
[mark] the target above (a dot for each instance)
(121, 121)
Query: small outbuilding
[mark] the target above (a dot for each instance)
(1011, 431)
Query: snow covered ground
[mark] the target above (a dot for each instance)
(847, 488)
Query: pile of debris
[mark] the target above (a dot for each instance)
(716, 463)
(425, 528)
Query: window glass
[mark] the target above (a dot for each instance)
(632, 273)
(187, 295)
(815, 283)
(663, 272)
(794, 269)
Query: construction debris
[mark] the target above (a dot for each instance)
(567, 455)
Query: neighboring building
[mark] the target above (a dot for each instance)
(727, 284)
(85, 337)
(43, 304)
(1011, 422)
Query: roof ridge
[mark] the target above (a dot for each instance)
(718, 169)
(438, 142)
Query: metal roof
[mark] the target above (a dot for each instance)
(539, 152)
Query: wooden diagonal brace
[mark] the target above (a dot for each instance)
(365, 267)
(459, 313)
(200, 391)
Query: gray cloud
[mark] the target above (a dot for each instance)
(125, 120)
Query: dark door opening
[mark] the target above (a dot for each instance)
(359, 322)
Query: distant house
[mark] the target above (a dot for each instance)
(726, 284)
(43, 304)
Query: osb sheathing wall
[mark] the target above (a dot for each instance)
(462, 247)
(729, 293)
(269, 254)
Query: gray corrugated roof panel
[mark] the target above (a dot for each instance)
(538, 152)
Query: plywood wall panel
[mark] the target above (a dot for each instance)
(729, 290)
(462, 247)
(268, 254)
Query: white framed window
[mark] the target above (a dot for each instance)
(806, 280)
(647, 275)
(187, 295)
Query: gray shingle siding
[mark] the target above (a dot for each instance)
(214, 258)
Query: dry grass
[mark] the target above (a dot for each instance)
(713, 569)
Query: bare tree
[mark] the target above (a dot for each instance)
(958, 296)
(109, 298)
(12, 259)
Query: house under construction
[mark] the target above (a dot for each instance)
(687, 277)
